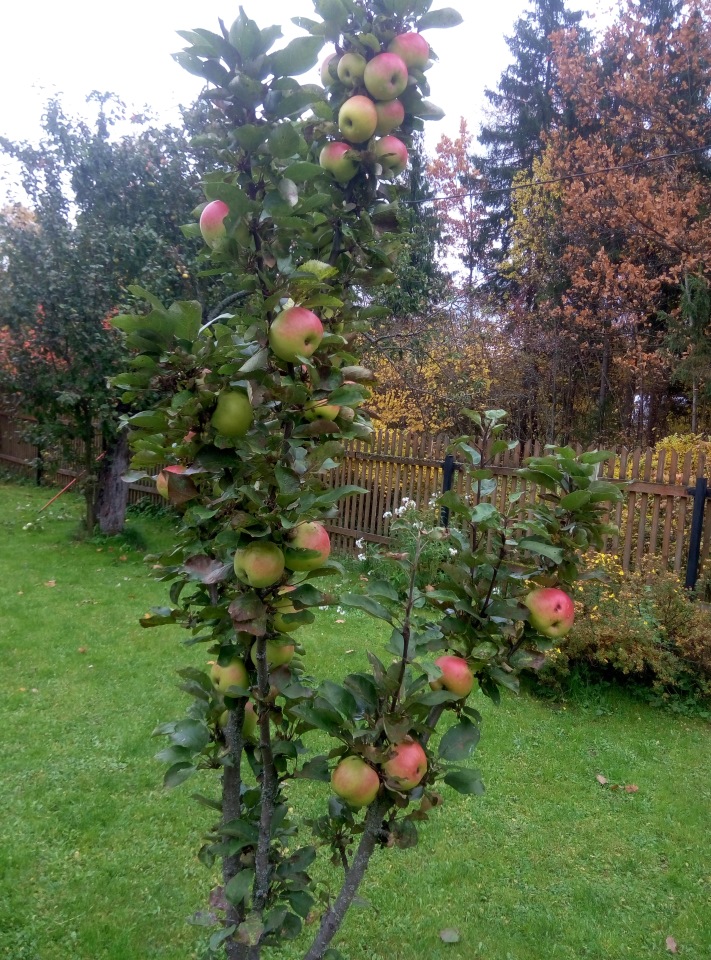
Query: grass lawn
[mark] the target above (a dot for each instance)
(97, 861)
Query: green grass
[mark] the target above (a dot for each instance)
(97, 861)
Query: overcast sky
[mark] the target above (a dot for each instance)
(76, 46)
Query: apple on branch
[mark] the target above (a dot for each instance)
(233, 414)
(249, 724)
(407, 764)
(162, 479)
(278, 654)
(328, 78)
(296, 332)
(391, 114)
(385, 76)
(232, 674)
(456, 676)
(260, 565)
(338, 159)
(551, 611)
(355, 781)
(311, 536)
(412, 48)
(351, 68)
(212, 223)
(392, 155)
(358, 118)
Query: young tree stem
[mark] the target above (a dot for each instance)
(231, 810)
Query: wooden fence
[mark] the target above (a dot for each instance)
(654, 516)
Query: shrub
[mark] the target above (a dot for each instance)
(641, 628)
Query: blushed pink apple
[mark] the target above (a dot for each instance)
(412, 48)
(162, 479)
(278, 654)
(307, 536)
(233, 674)
(552, 611)
(351, 67)
(390, 113)
(212, 223)
(355, 781)
(385, 76)
(392, 155)
(357, 119)
(334, 158)
(296, 332)
(456, 676)
(328, 78)
(407, 764)
(261, 564)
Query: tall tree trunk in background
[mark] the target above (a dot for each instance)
(604, 379)
(111, 491)
(695, 406)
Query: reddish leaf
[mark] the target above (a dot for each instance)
(631, 788)
(671, 945)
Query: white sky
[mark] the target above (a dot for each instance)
(75, 46)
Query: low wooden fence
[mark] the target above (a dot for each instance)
(655, 516)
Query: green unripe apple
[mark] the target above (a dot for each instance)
(351, 68)
(355, 781)
(233, 414)
(261, 564)
(233, 674)
(278, 654)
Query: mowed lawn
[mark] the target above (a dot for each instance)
(97, 861)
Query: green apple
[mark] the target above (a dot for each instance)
(328, 78)
(261, 564)
(249, 724)
(233, 414)
(357, 119)
(278, 654)
(351, 68)
(321, 410)
(338, 160)
(385, 76)
(296, 332)
(233, 674)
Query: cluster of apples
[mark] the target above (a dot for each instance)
(373, 109)
(357, 782)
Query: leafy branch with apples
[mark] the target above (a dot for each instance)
(247, 411)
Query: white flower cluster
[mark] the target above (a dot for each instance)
(387, 515)
(406, 504)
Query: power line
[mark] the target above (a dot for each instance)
(567, 176)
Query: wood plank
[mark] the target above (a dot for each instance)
(681, 535)
(669, 511)
(654, 528)
(629, 520)
(643, 500)
(622, 475)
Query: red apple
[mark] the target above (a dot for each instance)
(278, 654)
(261, 564)
(162, 479)
(407, 764)
(233, 414)
(212, 223)
(333, 158)
(412, 48)
(456, 676)
(233, 674)
(308, 536)
(552, 611)
(390, 113)
(296, 332)
(385, 76)
(355, 781)
(357, 119)
(351, 67)
(392, 154)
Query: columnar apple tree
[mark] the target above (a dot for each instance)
(247, 412)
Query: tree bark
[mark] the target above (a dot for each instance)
(111, 491)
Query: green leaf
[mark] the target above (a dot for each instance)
(382, 588)
(297, 57)
(340, 699)
(446, 17)
(178, 773)
(193, 734)
(315, 769)
(235, 198)
(246, 37)
(575, 500)
(543, 549)
(239, 886)
(595, 456)
(284, 141)
(459, 741)
(304, 170)
(370, 606)
(465, 781)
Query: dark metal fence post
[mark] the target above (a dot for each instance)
(448, 469)
(700, 492)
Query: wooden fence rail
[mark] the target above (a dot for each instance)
(654, 517)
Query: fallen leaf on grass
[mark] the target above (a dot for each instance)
(631, 788)
(601, 780)
(351, 650)
(82, 649)
(671, 945)
(340, 621)
(123, 557)
(50, 583)
(450, 935)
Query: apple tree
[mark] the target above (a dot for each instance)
(246, 415)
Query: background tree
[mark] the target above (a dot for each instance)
(106, 212)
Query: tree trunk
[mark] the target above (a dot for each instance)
(111, 491)
(695, 406)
